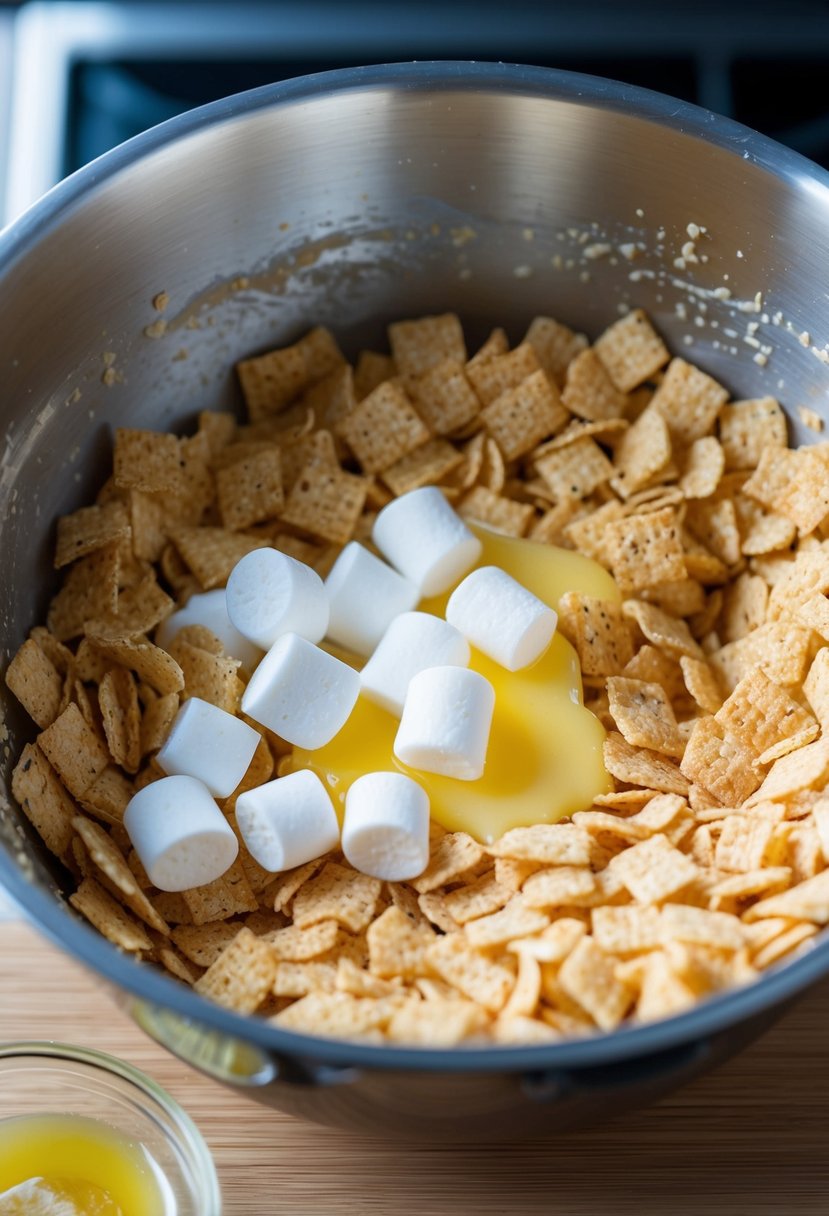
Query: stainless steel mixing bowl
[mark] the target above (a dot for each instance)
(350, 199)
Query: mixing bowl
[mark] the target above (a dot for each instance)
(350, 199)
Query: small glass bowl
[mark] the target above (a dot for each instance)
(41, 1078)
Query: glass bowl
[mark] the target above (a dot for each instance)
(45, 1078)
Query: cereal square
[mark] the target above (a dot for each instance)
(326, 502)
(599, 632)
(418, 345)
(689, 400)
(588, 390)
(555, 346)
(444, 397)
(36, 682)
(641, 453)
(720, 763)
(88, 529)
(211, 553)
(522, 416)
(646, 550)
(147, 460)
(575, 471)
(747, 427)
(426, 465)
(644, 715)
(383, 427)
(493, 377)
(631, 350)
(250, 490)
(504, 514)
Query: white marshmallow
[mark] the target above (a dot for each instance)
(421, 535)
(501, 617)
(209, 608)
(446, 720)
(208, 743)
(181, 837)
(270, 594)
(364, 597)
(288, 821)
(301, 693)
(412, 642)
(386, 826)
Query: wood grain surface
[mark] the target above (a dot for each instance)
(750, 1139)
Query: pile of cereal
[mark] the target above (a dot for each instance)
(705, 866)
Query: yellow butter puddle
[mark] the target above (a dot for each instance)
(75, 1167)
(544, 759)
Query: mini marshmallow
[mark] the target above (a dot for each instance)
(386, 826)
(287, 822)
(270, 594)
(208, 743)
(364, 597)
(209, 608)
(501, 617)
(421, 535)
(412, 642)
(446, 720)
(181, 837)
(301, 693)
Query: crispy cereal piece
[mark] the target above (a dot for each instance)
(116, 875)
(781, 649)
(426, 465)
(496, 375)
(720, 763)
(654, 870)
(226, 896)
(121, 717)
(337, 893)
(599, 632)
(148, 661)
(588, 390)
(576, 470)
(43, 800)
(545, 843)
(639, 766)
(108, 796)
(36, 682)
(807, 901)
(242, 975)
(90, 589)
(273, 380)
(326, 502)
(667, 633)
(644, 715)
(139, 609)
(211, 553)
(250, 490)
(761, 531)
(760, 714)
(372, 369)
(296, 945)
(747, 427)
(641, 453)
(298, 979)
(559, 886)
(147, 460)
(337, 1014)
(211, 677)
(805, 500)
(555, 346)
(783, 944)
(525, 995)
(717, 930)
(439, 1022)
(419, 345)
(486, 982)
(520, 417)
(704, 466)
(383, 427)
(662, 991)
(503, 514)
(89, 529)
(74, 750)
(455, 854)
(487, 894)
(109, 918)
(805, 769)
(689, 401)
(588, 977)
(203, 944)
(628, 929)
(631, 350)
(702, 683)
(816, 686)
(645, 550)
(742, 843)
(397, 945)
(744, 607)
(444, 397)
(333, 397)
(156, 721)
(516, 920)
(802, 579)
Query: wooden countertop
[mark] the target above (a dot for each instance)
(751, 1139)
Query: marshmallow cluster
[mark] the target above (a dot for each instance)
(272, 615)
